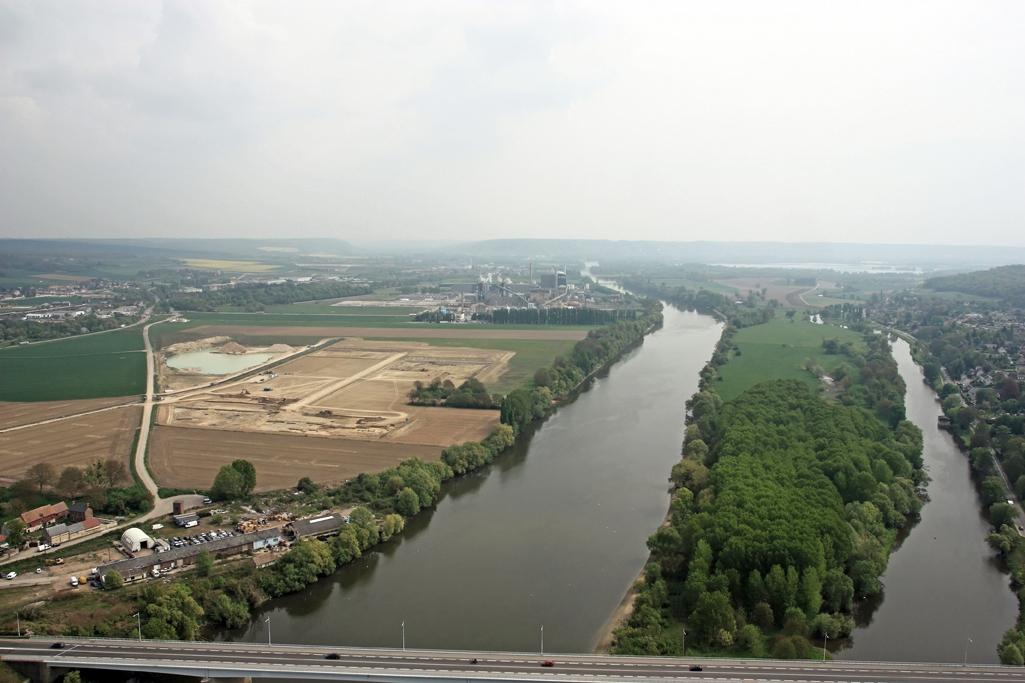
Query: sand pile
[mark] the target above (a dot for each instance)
(280, 348)
(232, 347)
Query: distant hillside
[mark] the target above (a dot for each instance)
(1005, 282)
(748, 253)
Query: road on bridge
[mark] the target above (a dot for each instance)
(312, 662)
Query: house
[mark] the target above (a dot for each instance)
(39, 517)
(61, 533)
(79, 511)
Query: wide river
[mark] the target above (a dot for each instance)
(943, 586)
(553, 533)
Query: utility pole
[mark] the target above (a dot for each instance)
(267, 621)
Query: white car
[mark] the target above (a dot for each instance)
(41, 547)
(74, 582)
(10, 575)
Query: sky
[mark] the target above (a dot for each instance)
(889, 122)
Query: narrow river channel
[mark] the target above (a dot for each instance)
(943, 586)
(552, 534)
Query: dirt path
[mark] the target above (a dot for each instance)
(310, 399)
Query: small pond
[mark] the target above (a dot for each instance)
(212, 363)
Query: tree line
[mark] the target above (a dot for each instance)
(255, 297)
(558, 316)
(785, 508)
(14, 330)
(601, 346)
(470, 394)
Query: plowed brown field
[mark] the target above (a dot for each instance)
(74, 441)
(189, 458)
(14, 414)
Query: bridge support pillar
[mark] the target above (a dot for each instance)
(37, 672)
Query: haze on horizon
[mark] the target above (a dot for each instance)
(796, 121)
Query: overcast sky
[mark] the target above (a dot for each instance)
(828, 121)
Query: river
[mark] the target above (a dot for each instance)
(944, 587)
(553, 533)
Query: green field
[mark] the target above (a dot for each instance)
(93, 366)
(164, 335)
(779, 349)
(695, 283)
(531, 354)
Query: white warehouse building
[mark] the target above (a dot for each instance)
(135, 539)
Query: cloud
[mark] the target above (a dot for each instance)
(794, 120)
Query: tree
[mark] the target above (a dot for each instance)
(113, 580)
(248, 472)
(204, 563)
(228, 484)
(407, 503)
(71, 482)
(43, 474)
(16, 533)
(173, 614)
(392, 525)
(72, 677)
(306, 485)
(810, 593)
(1001, 514)
(115, 472)
(712, 615)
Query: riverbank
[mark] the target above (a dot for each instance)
(717, 563)
(551, 533)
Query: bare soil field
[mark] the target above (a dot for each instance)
(354, 389)
(393, 332)
(190, 458)
(75, 441)
(776, 288)
(14, 414)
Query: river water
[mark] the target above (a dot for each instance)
(553, 533)
(943, 585)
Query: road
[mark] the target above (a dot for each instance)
(304, 661)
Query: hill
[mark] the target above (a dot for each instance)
(1005, 282)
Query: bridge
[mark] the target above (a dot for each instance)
(39, 659)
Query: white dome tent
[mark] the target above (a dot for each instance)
(135, 539)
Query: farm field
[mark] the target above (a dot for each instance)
(779, 349)
(189, 458)
(531, 354)
(14, 414)
(75, 441)
(229, 265)
(93, 366)
(351, 389)
(776, 288)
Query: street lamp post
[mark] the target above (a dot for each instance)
(138, 619)
(18, 615)
(403, 636)
(542, 638)
(683, 642)
(825, 641)
(267, 621)
(964, 662)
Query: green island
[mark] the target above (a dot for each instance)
(794, 483)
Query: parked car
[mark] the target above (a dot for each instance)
(74, 582)
(207, 501)
(10, 575)
(41, 547)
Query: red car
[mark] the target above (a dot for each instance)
(548, 662)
